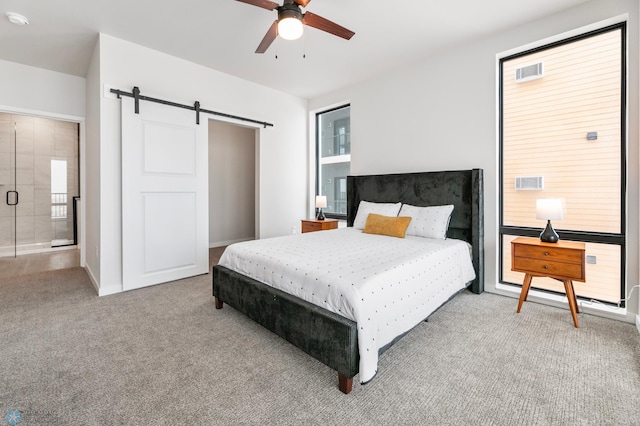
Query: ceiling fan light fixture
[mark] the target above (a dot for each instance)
(291, 22)
(290, 28)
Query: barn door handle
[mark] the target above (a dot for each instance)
(16, 201)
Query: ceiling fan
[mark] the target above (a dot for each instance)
(289, 24)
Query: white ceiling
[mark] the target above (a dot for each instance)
(223, 35)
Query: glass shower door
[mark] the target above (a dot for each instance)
(8, 177)
(39, 179)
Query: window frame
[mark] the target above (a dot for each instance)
(619, 239)
(318, 156)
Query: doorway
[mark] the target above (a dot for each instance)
(40, 184)
(233, 169)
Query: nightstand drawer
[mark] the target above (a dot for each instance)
(311, 226)
(564, 261)
(571, 271)
(552, 254)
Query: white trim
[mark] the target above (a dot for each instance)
(560, 301)
(109, 291)
(311, 166)
(83, 185)
(259, 129)
(562, 36)
(93, 280)
(336, 159)
(41, 114)
(638, 323)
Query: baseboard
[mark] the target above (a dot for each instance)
(109, 291)
(101, 291)
(560, 301)
(228, 242)
(92, 278)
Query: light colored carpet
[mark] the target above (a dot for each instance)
(164, 356)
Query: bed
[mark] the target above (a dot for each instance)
(328, 336)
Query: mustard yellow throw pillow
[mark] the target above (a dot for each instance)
(386, 225)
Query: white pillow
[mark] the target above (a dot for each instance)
(428, 222)
(365, 207)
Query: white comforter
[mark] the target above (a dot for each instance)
(386, 285)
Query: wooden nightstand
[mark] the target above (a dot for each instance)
(312, 225)
(563, 261)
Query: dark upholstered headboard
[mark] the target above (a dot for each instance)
(462, 188)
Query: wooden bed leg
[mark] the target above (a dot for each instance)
(218, 303)
(344, 384)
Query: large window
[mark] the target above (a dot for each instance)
(562, 135)
(58, 189)
(333, 158)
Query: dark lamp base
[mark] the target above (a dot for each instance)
(320, 215)
(549, 235)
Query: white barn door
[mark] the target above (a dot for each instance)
(164, 195)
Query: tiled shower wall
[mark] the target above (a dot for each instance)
(38, 141)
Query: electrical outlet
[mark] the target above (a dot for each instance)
(591, 260)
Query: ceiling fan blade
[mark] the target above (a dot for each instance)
(323, 24)
(271, 35)
(265, 4)
(302, 3)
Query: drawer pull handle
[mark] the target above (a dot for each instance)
(545, 267)
(546, 253)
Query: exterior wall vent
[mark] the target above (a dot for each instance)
(530, 72)
(529, 183)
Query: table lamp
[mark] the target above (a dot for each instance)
(548, 209)
(321, 202)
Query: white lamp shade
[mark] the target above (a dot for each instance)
(290, 28)
(321, 201)
(549, 209)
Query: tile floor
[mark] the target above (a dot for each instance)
(60, 259)
(39, 262)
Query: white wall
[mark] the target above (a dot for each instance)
(33, 90)
(283, 148)
(232, 183)
(441, 115)
(91, 181)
